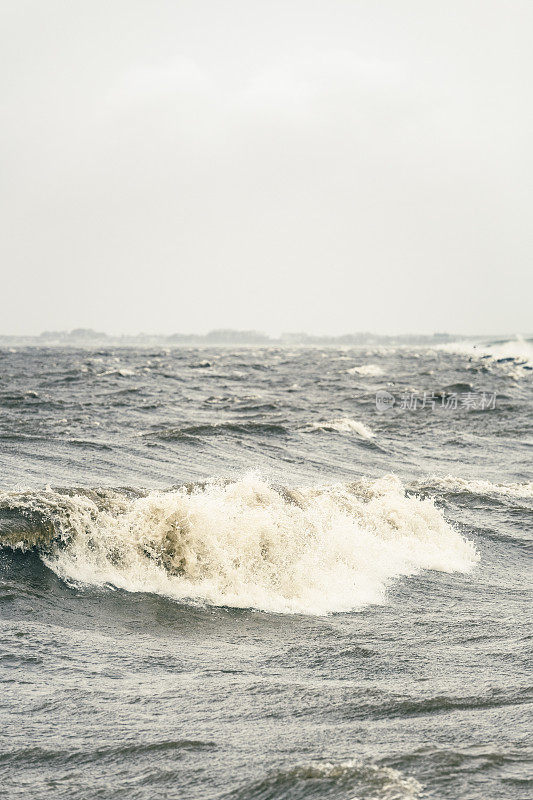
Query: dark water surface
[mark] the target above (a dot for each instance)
(225, 574)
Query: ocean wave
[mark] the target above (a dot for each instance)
(366, 370)
(332, 779)
(410, 707)
(244, 427)
(517, 351)
(39, 756)
(242, 544)
(343, 425)
(454, 485)
(119, 372)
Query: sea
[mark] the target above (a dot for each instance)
(266, 573)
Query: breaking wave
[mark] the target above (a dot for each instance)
(326, 778)
(343, 425)
(454, 485)
(518, 350)
(366, 370)
(242, 544)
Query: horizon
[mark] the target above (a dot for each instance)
(238, 333)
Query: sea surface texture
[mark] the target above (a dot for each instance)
(226, 573)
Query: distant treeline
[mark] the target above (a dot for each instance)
(84, 336)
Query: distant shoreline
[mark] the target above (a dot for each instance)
(84, 337)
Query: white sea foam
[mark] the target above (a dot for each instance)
(366, 370)
(246, 544)
(344, 425)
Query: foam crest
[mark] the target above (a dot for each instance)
(481, 488)
(366, 370)
(314, 779)
(247, 544)
(518, 349)
(344, 425)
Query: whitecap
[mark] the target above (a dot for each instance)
(246, 544)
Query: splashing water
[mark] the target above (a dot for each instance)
(247, 544)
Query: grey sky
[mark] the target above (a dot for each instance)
(328, 166)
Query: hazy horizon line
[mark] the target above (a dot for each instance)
(249, 334)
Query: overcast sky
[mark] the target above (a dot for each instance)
(321, 165)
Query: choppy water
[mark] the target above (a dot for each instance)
(226, 574)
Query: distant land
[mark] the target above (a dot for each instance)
(86, 337)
